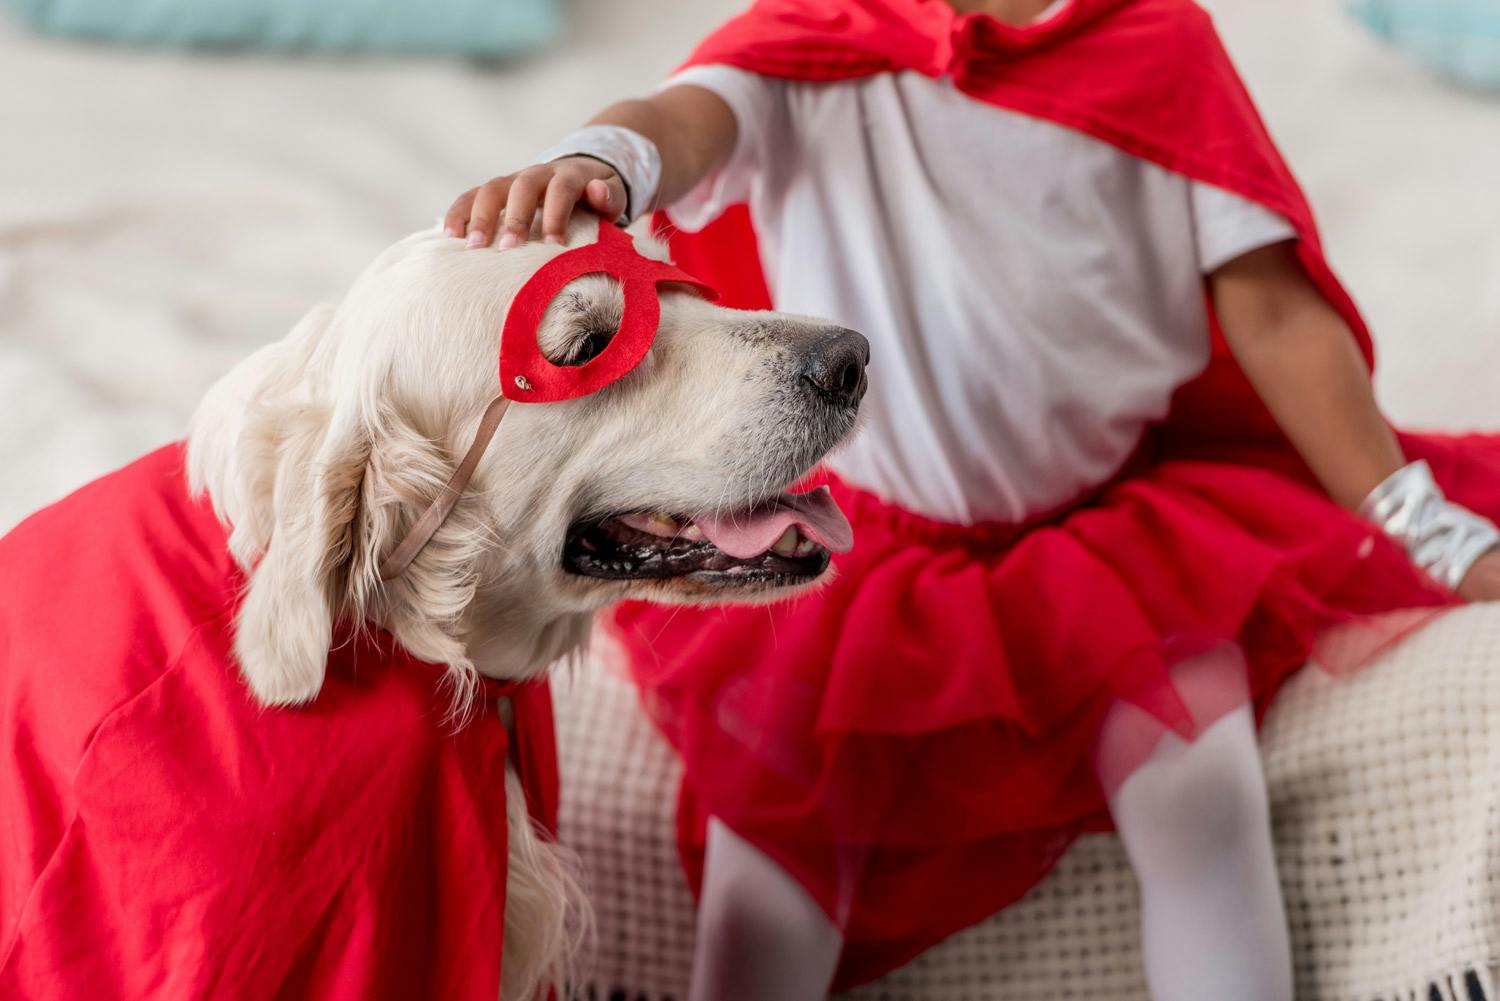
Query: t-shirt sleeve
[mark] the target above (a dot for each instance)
(1227, 226)
(759, 106)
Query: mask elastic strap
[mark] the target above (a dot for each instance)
(431, 519)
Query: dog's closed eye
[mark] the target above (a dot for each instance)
(588, 347)
(587, 316)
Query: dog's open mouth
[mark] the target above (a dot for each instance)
(787, 540)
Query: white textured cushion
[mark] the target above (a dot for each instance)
(1386, 796)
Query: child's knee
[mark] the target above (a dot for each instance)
(749, 922)
(752, 902)
(1192, 804)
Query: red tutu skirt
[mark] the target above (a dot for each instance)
(914, 741)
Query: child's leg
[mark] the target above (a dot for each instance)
(1194, 819)
(760, 935)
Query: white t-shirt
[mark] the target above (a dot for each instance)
(1032, 296)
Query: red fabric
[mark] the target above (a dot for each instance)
(165, 837)
(914, 741)
(525, 373)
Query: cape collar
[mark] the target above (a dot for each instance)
(958, 40)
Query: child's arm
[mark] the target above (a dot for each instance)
(1303, 361)
(692, 128)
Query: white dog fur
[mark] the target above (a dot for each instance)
(321, 449)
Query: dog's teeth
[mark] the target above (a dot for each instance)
(692, 533)
(806, 547)
(787, 544)
(665, 523)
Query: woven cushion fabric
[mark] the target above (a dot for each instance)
(1458, 38)
(484, 28)
(1387, 826)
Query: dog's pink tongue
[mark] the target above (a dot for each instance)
(747, 534)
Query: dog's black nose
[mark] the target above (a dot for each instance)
(836, 366)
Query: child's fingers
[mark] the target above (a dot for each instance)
(606, 196)
(520, 208)
(506, 206)
(456, 222)
(563, 192)
(486, 210)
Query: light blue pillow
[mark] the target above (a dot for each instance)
(483, 28)
(1458, 38)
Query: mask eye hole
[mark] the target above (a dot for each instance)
(582, 322)
(588, 347)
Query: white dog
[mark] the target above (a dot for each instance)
(320, 451)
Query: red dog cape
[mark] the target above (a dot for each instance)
(163, 836)
(912, 742)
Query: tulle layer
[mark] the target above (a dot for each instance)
(914, 741)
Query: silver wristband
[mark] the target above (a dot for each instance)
(632, 156)
(1443, 538)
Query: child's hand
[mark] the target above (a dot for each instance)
(557, 187)
(1482, 583)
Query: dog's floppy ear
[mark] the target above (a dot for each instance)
(300, 585)
(283, 474)
(315, 486)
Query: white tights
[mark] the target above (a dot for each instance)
(1194, 822)
(760, 935)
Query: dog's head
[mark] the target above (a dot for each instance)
(322, 449)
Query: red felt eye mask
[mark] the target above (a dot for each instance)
(528, 377)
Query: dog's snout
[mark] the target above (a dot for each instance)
(835, 366)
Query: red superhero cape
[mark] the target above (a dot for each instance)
(1149, 77)
(163, 836)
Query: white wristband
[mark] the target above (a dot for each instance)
(634, 157)
(1443, 538)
